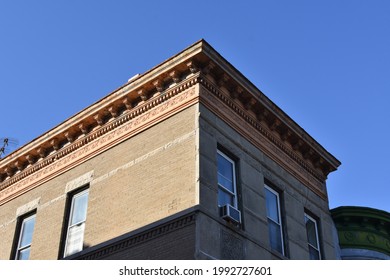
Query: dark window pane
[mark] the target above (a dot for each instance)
(226, 183)
(314, 254)
(272, 205)
(224, 198)
(275, 236)
(225, 167)
(311, 233)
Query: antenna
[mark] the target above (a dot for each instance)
(6, 145)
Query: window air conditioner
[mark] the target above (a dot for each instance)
(229, 213)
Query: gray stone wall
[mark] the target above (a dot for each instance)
(254, 168)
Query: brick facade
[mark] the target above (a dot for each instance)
(123, 196)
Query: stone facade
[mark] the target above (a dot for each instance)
(254, 169)
(148, 154)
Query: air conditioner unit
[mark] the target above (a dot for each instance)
(229, 213)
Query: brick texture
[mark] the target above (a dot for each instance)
(142, 180)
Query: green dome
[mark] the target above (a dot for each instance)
(363, 228)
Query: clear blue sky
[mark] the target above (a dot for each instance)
(325, 63)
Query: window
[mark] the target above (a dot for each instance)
(312, 237)
(227, 193)
(25, 237)
(76, 223)
(274, 220)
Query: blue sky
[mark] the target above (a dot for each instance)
(325, 63)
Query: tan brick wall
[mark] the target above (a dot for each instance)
(146, 178)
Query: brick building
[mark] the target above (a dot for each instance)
(186, 161)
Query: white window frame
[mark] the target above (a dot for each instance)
(280, 223)
(234, 195)
(27, 246)
(318, 249)
(70, 215)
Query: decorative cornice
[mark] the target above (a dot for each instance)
(261, 136)
(134, 121)
(170, 72)
(141, 95)
(223, 67)
(270, 125)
